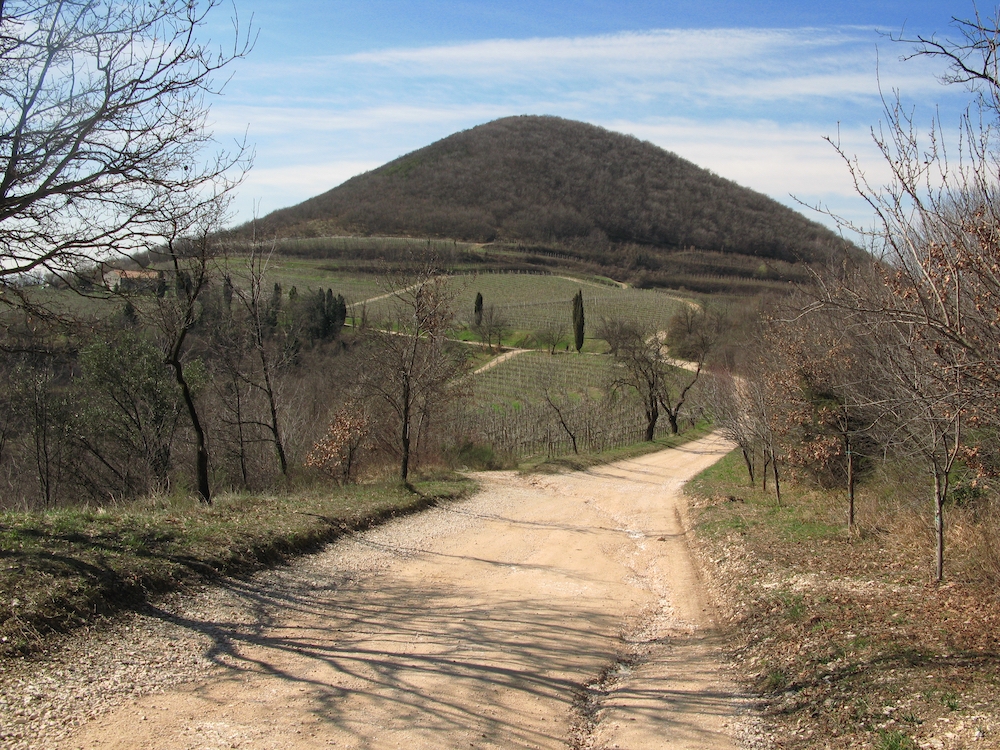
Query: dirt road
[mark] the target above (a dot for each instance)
(544, 612)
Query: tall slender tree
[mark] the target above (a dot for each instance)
(477, 311)
(578, 320)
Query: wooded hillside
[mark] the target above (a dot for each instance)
(555, 182)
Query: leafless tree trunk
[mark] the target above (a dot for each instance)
(551, 336)
(191, 249)
(641, 366)
(562, 420)
(254, 302)
(731, 416)
(493, 326)
(410, 366)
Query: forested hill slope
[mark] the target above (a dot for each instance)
(554, 181)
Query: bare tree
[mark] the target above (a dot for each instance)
(562, 417)
(761, 402)
(642, 365)
(973, 61)
(727, 401)
(103, 122)
(613, 331)
(931, 302)
(551, 336)
(821, 365)
(493, 325)
(190, 248)
(410, 365)
(258, 310)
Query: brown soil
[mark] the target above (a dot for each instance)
(544, 612)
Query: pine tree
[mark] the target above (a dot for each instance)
(578, 319)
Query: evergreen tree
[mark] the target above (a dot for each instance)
(479, 309)
(273, 308)
(326, 314)
(578, 319)
(129, 316)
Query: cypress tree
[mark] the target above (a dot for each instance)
(273, 307)
(578, 319)
(130, 318)
(479, 309)
(341, 312)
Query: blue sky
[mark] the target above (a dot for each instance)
(746, 89)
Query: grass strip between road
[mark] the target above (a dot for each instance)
(845, 639)
(62, 568)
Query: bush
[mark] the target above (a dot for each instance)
(477, 456)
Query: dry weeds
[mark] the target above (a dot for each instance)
(845, 638)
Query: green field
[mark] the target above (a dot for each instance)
(529, 302)
(532, 301)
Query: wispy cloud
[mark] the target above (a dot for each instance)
(299, 175)
(780, 62)
(276, 119)
(634, 48)
(750, 104)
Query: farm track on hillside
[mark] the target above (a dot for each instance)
(542, 612)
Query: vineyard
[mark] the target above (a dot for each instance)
(536, 404)
(531, 302)
(304, 275)
(363, 247)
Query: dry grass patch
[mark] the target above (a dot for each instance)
(845, 638)
(61, 568)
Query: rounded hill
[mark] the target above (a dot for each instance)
(558, 182)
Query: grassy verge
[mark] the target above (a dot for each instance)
(580, 461)
(845, 638)
(61, 568)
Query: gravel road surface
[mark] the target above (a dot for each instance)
(544, 612)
